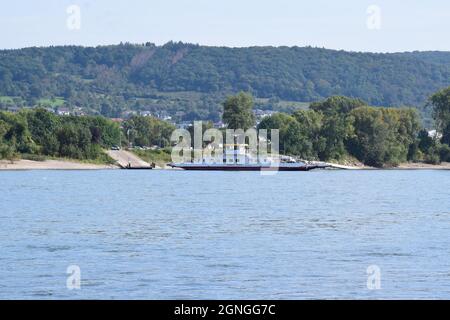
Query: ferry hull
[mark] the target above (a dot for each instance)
(245, 168)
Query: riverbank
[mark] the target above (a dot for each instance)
(51, 165)
(73, 165)
(402, 166)
(419, 166)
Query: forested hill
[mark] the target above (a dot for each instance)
(190, 80)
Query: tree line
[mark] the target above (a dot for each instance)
(340, 127)
(38, 132)
(41, 133)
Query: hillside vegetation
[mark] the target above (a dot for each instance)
(190, 81)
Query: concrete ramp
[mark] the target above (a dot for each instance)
(343, 167)
(128, 160)
(324, 165)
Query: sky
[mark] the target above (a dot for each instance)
(354, 25)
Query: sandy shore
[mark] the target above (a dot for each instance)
(349, 167)
(413, 166)
(51, 165)
(403, 166)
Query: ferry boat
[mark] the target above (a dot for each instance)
(237, 158)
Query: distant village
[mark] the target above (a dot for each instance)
(78, 111)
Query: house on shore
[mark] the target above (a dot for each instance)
(63, 112)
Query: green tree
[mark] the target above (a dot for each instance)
(6, 151)
(337, 125)
(43, 125)
(74, 141)
(148, 131)
(308, 142)
(238, 111)
(371, 133)
(280, 121)
(441, 112)
(409, 126)
(337, 104)
(383, 136)
(18, 136)
(425, 141)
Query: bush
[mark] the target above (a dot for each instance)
(433, 156)
(7, 152)
(444, 153)
(32, 157)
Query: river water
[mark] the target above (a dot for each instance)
(225, 235)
